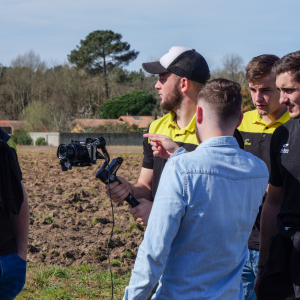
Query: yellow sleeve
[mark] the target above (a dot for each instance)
(12, 144)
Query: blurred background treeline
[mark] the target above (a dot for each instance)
(32, 90)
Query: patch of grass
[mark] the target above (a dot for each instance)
(90, 189)
(49, 219)
(43, 277)
(76, 282)
(126, 235)
(100, 200)
(95, 221)
(127, 254)
(132, 226)
(117, 230)
(58, 188)
(98, 255)
(116, 263)
(136, 225)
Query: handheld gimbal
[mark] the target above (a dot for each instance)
(84, 153)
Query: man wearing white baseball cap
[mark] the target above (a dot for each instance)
(182, 61)
(182, 73)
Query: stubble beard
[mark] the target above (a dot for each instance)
(296, 115)
(172, 101)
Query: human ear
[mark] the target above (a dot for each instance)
(184, 84)
(199, 114)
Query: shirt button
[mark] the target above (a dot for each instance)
(267, 127)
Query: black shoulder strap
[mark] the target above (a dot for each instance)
(239, 137)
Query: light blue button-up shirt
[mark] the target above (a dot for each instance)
(195, 243)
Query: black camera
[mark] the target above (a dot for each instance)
(81, 153)
(84, 153)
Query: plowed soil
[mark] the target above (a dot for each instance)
(71, 217)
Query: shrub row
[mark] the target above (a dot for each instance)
(21, 137)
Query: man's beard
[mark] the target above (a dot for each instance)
(172, 101)
(197, 134)
(295, 115)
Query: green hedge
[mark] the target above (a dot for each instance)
(40, 142)
(21, 137)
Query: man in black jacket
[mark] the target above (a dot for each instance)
(14, 221)
(257, 128)
(278, 276)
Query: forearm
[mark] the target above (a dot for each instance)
(21, 226)
(142, 191)
(143, 188)
(164, 222)
(152, 256)
(267, 229)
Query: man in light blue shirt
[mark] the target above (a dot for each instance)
(195, 243)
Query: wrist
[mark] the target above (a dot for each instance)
(22, 254)
(131, 188)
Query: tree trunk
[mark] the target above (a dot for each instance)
(105, 78)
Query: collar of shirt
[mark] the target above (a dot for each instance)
(212, 142)
(171, 121)
(257, 119)
(219, 141)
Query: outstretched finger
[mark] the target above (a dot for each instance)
(155, 137)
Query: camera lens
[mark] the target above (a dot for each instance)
(65, 151)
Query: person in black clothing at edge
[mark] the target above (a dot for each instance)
(257, 128)
(279, 256)
(14, 221)
(182, 73)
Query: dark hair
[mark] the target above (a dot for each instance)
(260, 67)
(224, 97)
(289, 63)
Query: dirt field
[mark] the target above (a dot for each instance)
(70, 214)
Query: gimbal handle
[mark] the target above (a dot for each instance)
(107, 174)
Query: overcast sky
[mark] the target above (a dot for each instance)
(52, 28)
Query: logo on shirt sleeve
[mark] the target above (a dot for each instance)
(284, 150)
(247, 142)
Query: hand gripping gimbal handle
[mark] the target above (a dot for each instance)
(130, 199)
(108, 176)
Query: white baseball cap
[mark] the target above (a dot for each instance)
(182, 61)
